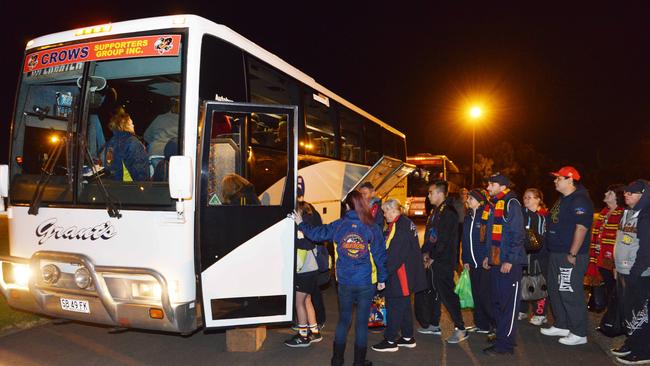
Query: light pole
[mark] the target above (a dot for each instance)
(474, 114)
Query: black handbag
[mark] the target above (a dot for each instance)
(597, 298)
(533, 284)
(612, 322)
(533, 242)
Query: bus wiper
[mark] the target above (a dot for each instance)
(47, 170)
(111, 208)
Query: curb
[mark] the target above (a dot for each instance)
(17, 328)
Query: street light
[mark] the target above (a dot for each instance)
(474, 113)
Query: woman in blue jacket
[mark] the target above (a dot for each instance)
(475, 250)
(360, 263)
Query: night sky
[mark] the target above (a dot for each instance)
(573, 82)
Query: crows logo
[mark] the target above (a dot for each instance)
(33, 61)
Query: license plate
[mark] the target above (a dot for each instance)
(419, 213)
(78, 306)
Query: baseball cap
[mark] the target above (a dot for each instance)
(567, 172)
(638, 186)
(499, 178)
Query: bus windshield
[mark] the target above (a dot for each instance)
(111, 119)
(418, 181)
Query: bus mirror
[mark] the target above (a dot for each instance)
(180, 177)
(4, 180)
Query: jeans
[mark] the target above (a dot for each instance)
(348, 296)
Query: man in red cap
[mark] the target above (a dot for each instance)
(568, 243)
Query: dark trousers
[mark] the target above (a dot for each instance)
(425, 309)
(566, 292)
(443, 285)
(481, 291)
(506, 295)
(319, 306)
(638, 326)
(400, 318)
(348, 296)
(609, 281)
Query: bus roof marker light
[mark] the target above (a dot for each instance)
(178, 20)
(94, 29)
(29, 44)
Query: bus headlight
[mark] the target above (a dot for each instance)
(50, 273)
(21, 274)
(146, 289)
(82, 278)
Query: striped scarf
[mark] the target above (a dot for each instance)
(496, 203)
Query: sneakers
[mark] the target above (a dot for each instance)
(491, 337)
(471, 328)
(458, 336)
(553, 331)
(385, 346)
(431, 329)
(522, 316)
(481, 331)
(315, 337)
(401, 342)
(493, 351)
(633, 360)
(573, 340)
(621, 351)
(537, 320)
(297, 341)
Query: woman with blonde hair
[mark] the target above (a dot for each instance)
(405, 277)
(125, 157)
(238, 191)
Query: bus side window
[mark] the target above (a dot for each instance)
(319, 129)
(225, 153)
(351, 136)
(373, 143)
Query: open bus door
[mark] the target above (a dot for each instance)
(246, 245)
(385, 175)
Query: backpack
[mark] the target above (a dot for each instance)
(323, 259)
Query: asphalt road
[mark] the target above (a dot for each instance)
(84, 344)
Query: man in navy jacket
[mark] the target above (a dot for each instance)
(505, 259)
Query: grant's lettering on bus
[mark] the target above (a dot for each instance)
(146, 46)
(48, 229)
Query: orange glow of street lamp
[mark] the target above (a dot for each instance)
(475, 112)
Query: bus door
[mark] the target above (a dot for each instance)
(247, 188)
(385, 175)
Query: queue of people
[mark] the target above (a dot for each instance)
(502, 240)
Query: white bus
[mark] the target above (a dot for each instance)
(107, 228)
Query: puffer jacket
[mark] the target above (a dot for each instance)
(124, 150)
(360, 249)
